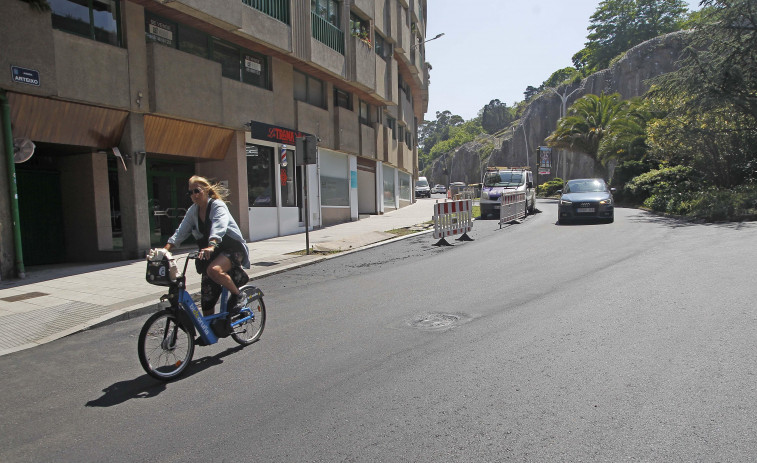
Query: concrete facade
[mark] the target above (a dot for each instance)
(169, 107)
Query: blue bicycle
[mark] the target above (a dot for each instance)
(167, 340)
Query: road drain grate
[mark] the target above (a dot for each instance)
(436, 321)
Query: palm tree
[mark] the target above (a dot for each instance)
(588, 121)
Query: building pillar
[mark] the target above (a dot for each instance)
(132, 188)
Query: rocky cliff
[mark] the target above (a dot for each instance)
(629, 76)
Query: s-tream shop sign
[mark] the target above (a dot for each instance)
(275, 134)
(25, 76)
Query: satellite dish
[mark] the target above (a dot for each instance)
(23, 148)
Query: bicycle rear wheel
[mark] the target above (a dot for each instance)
(165, 346)
(249, 331)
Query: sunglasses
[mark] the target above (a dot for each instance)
(196, 191)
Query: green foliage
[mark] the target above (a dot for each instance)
(624, 172)
(719, 68)
(588, 120)
(550, 187)
(656, 188)
(495, 116)
(618, 25)
(458, 135)
(432, 132)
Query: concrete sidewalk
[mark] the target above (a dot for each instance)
(55, 301)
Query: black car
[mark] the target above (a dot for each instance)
(586, 199)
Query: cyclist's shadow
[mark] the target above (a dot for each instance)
(146, 387)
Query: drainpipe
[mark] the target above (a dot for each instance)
(8, 137)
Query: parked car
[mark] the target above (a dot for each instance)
(422, 188)
(501, 180)
(586, 199)
(440, 189)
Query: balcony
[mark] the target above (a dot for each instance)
(327, 33)
(277, 9)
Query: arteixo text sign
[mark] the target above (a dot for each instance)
(25, 76)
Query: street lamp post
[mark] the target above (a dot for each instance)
(564, 99)
(421, 43)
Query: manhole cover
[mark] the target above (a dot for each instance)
(436, 321)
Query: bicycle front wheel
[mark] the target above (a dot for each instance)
(249, 331)
(165, 346)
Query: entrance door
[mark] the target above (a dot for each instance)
(40, 216)
(167, 196)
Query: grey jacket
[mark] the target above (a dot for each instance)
(222, 227)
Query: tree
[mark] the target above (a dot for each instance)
(495, 116)
(588, 120)
(432, 132)
(720, 66)
(618, 25)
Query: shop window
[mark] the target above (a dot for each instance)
(94, 19)
(261, 176)
(308, 89)
(288, 180)
(335, 179)
(388, 186)
(342, 99)
(404, 180)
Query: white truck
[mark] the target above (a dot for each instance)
(500, 180)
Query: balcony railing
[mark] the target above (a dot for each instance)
(325, 32)
(277, 9)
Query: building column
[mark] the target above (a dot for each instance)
(132, 188)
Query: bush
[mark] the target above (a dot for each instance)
(624, 172)
(676, 183)
(550, 187)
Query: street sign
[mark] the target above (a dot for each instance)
(25, 76)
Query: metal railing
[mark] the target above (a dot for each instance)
(327, 33)
(277, 9)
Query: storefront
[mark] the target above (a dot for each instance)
(276, 184)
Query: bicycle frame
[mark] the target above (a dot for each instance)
(181, 300)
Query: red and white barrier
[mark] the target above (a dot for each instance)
(453, 218)
(512, 206)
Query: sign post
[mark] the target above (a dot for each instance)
(306, 154)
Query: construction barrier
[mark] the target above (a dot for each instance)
(512, 206)
(453, 218)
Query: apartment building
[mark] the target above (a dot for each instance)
(126, 99)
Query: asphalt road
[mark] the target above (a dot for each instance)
(631, 341)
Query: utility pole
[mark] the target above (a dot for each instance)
(564, 98)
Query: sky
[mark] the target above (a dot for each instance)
(494, 49)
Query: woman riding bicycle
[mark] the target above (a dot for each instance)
(222, 248)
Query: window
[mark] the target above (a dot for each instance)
(261, 191)
(392, 124)
(308, 89)
(228, 56)
(342, 99)
(360, 28)
(236, 62)
(193, 41)
(383, 49)
(365, 111)
(325, 24)
(326, 9)
(94, 19)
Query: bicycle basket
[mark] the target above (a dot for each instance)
(159, 272)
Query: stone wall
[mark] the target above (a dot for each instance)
(628, 76)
